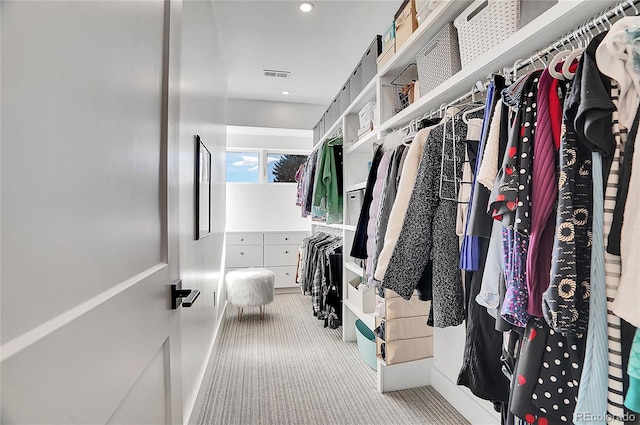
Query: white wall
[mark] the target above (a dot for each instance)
(258, 113)
(202, 112)
(256, 207)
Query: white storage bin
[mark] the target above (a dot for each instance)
(439, 59)
(485, 24)
(367, 114)
(354, 205)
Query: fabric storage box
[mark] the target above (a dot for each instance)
(345, 96)
(439, 59)
(321, 127)
(354, 205)
(408, 350)
(386, 56)
(484, 24)
(531, 9)
(366, 340)
(369, 60)
(407, 327)
(405, 22)
(332, 113)
(316, 133)
(399, 307)
(355, 82)
(363, 297)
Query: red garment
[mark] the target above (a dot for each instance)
(544, 191)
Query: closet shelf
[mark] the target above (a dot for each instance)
(547, 27)
(357, 186)
(363, 145)
(367, 318)
(444, 13)
(368, 94)
(354, 268)
(349, 227)
(324, 224)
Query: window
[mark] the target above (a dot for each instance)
(259, 166)
(243, 167)
(282, 167)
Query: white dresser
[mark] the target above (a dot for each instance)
(276, 251)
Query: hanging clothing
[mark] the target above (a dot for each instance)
(481, 369)
(544, 190)
(566, 300)
(327, 186)
(374, 211)
(612, 270)
(400, 205)
(431, 221)
(389, 193)
(547, 376)
(359, 246)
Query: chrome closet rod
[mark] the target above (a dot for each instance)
(585, 29)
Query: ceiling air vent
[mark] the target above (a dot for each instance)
(277, 74)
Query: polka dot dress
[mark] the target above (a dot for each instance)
(545, 387)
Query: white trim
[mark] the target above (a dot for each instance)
(14, 346)
(268, 131)
(191, 404)
(475, 410)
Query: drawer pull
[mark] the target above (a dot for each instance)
(241, 253)
(286, 239)
(287, 273)
(241, 239)
(286, 252)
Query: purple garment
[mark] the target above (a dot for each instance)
(514, 249)
(470, 249)
(544, 192)
(374, 209)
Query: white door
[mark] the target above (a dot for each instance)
(89, 128)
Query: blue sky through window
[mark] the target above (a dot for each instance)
(243, 167)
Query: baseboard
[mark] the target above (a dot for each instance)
(475, 410)
(196, 406)
(288, 290)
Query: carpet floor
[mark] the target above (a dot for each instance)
(289, 369)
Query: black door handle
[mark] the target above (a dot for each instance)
(177, 295)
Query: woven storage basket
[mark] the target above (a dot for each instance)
(439, 59)
(485, 24)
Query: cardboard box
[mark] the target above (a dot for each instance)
(406, 22)
(386, 56)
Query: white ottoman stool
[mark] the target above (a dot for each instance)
(250, 287)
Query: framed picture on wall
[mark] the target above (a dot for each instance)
(202, 193)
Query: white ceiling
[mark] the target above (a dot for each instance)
(320, 48)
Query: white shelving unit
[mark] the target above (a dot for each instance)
(449, 343)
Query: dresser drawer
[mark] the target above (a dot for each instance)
(244, 256)
(285, 276)
(283, 238)
(244, 238)
(280, 255)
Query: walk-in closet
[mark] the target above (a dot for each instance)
(356, 212)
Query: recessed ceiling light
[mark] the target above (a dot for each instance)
(305, 6)
(286, 92)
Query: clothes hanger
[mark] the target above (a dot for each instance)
(558, 75)
(635, 9)
(465, 114)
(568, 62)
